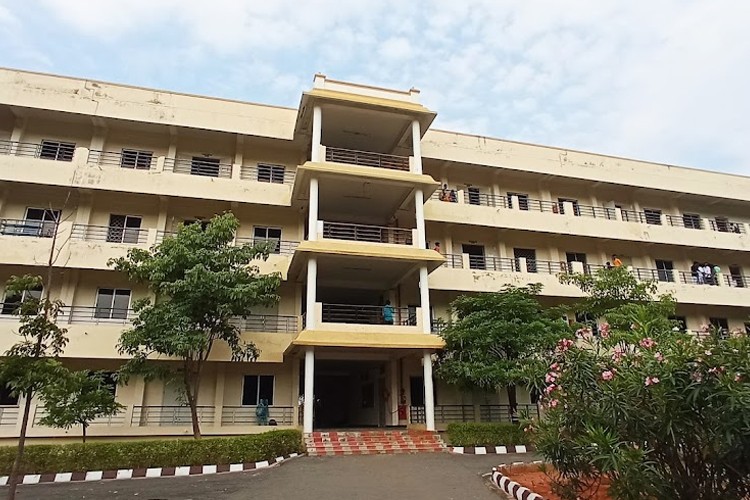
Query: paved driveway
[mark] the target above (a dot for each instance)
(433, 476)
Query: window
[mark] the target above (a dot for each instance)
(691, 221)
(653, 216)
(60, 151)
(473, 196)
(13, 301)
(268, 235)
(256, 388)
(523, 200)
(208, 167)
(527, 253)
(721, 325)
(139, 160)
(271, 173)
(736, 277)
(112, 303)
(681, 323)
(6, 398)
(664, 270)
(124, 228)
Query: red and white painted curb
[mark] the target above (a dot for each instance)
(489, 450)
(512, 488)
(187, 470)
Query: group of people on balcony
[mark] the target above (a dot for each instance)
(705, 273)
(449, 195)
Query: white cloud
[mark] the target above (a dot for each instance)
(662, 80)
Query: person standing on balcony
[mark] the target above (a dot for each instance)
(437, 247)
(445, 193)
(388, 313)
(616, 261)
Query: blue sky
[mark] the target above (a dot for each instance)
(663, 80)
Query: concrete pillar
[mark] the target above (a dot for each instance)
(429, 395)
(309, 390)
(239, 149)
(312, 211)
(317, 133)
(394, 390)
(419, 212)
(219, 394)
(139, 390)
(424, 299)
(19, 129)
(312, 279)
(416, 137)
(522, 265)
(83, 210)
(97, 139)
(569, 209)
(295, 391)
(515, 202)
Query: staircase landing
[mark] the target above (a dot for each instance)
(372, 442)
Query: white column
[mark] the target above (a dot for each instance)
(312, 212)
(424, 299)
(309, 390)
(416, 138)
(429, 398)
(419, 212)
(317, 132)
(219, 395)
(312, 281)
(394, 390)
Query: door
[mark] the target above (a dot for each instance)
(476, 256)
(576, 209)
(576, 257)
(664, 270)
(523, 200)
(735, 277)
(527, 253)
(473, 196)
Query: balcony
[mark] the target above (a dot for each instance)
(445, 414)
(110, 234)
(137, 160)
(26, 227)
(204, 167)
(48, 150)
(368, 315)
(146, 416)
(366, 233)
(245, 415)
(367, 159)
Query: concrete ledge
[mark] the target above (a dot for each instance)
(490, 450)
(151, 472)
(512, 488)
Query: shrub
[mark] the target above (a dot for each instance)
(40, 459)
(489, 434)
(659, 413)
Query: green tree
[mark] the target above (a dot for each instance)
(200, 281)
(77, 398)
(498, 340)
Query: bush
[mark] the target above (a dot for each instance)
(474, 434)
(40, 459)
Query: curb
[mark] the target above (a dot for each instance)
(151, 472)
(489, 450)
(512, 488)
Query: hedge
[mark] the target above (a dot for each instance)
(79, 457)
(490, 434)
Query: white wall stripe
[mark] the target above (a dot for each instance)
(3, 480)
(458, 449)
(480, 450)
(31, 478)
(261, 465)
(501, 450)
(94, 475)
(235, 467)
(209, 469)
(153, 472)
(124, 474)
(63, 477)
(182, 471)
(520, 448)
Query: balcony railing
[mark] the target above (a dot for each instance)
(111, 234)
(503, 413)
(465, 413)
(684, 221)
(198, 167)
(275, 246)
(691, 278)
(488, 263)
(529, 204)
(245, 415)
(362, 232)
(137, 160)
(26, 227)
(170, 415)
(268, 323)
(545, 266)
(651, 274)
(483, 199)
(737, 280)
(9, 415)
(454, 260)
(727, 226)
(592, 211)
(16, 148)
(118, 419)
(367, 159)
(273, 174)
(93, 314)
(368, 315)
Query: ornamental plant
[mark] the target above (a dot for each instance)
(659, 413)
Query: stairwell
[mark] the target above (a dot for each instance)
(372, 442)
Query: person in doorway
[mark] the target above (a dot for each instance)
(616, 261)
(388, 313)
(437, 247)
(695, 272)
(453, 196)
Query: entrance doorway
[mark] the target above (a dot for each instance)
(349, 394)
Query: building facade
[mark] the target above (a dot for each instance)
(379, 223)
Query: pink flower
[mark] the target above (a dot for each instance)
(697, 377)
(564, 344)
(647, 343)
(554, 366)
(549, 389)
(737, 377)
(584, 332)
(551, 377)
(651, 381)
(618, 354)
(659, 357)
(553, 403)
(607, 375)
(604, 330)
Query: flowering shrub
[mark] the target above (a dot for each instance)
(662, 414)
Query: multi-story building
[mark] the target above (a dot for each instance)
(368, 206)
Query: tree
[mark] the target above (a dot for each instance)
(201, 281)
(498, 339)
(77, 398)
(656, 412)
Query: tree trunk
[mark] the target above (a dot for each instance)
(512, 400)
(13, 479)
(83, 431)
(191, 394)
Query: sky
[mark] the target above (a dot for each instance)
(660, 80)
